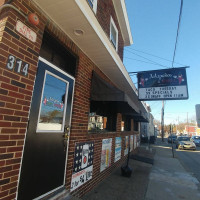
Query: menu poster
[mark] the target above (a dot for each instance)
(83, 164)
(126, 145)
(118, 148)
(131, 143)
(106, 154)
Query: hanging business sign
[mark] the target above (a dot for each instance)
(166, 84)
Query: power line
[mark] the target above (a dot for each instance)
(153, 55)
(162, 115)
(179, 22)
(143, 61)
(148, 59)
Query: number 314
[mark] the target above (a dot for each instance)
(18, 65)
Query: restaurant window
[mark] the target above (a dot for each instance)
(102, 117)
(135, 125)
(100, 123)
(113, 33)
(126, 123)
(93, 4)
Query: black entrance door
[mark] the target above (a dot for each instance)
(44, 158)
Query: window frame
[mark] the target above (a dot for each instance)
(110, 126)
(65, 105)
(126, 122)
(112, 24)
(136, 125)
(93, 5)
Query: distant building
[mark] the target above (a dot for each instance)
(147, 130)
(190, 130)
(198, 131)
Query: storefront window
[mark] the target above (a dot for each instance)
(122, 125)
(135, 126)
(99, 123)
(126, 123)
(53, 105)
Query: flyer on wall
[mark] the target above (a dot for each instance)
(131, 143)
(83, 164)
(135, 141)
(118, 148)
(126, 145)
(106, 154)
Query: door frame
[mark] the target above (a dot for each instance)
(66, 74)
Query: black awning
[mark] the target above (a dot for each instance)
(140, 118)
(106, 107)
(105, 96)
(103, 91)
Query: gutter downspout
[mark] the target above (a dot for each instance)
(11, 6)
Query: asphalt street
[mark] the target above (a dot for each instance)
(190, 160)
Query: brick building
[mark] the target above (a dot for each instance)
(190, 130)
(68, 108)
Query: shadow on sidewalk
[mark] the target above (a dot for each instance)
(117, 187)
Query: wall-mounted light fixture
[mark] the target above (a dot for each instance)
(78, 32)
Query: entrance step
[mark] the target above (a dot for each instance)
(61, 194)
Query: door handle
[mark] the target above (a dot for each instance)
(66, 136)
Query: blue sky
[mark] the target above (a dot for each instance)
(154, 27)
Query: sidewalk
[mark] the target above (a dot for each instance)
(117, 187)
(166, 179)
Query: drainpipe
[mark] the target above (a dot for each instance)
(11, 6)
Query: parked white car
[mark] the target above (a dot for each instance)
(185, 143)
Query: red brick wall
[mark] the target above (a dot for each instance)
(105, 9)
(15, 99)
(15, 95)
(79, 127)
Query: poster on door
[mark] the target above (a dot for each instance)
(118, 148)
(126, 145)
(131, 143)
(83, 164)
(106, 154)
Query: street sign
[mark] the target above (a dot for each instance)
(198, 114)
(166, 84)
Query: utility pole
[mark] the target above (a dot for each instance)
(171, 130)
(162, 121)
(178, 125)
(188, 126)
